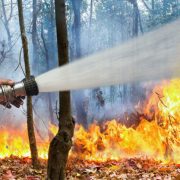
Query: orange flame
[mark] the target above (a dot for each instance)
(157, 135)
(16, 143)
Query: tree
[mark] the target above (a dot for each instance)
(48, 24)
(136, 18)
(90, 24)
(5, 52)
(77, 26)
(78, 96)
(30, 127)
(34, 36)
(6, 20)
(48, 46)
(47, 61)
(62, 142)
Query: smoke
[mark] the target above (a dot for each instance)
(111, 24)
(10, 68)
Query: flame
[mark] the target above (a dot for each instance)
(157, 135)
(15, 142)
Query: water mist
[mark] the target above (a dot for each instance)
(153, 56)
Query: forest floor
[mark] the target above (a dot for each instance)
(14, 168)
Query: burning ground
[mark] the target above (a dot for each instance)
(110, 150)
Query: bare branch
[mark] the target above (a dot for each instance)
(147, 7)
(19, 64)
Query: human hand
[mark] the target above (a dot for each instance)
(15, 101)
(6, 82)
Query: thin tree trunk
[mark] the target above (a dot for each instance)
(62, 142)
(34, 37)
(134, 87)
(90, 24)
(136, 18)
(51, 37)
(6, 22)
(164, 8)
(147, 7)
(140, 22)
(135, 33)
(77, 26)
(153, 12)
(47, 57)
(78, 96)
(30, 127)
(153, 5)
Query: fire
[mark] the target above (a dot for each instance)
(15, 142)
(157, 135)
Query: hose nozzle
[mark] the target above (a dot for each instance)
(26, 87)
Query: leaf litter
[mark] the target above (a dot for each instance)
(14, 168)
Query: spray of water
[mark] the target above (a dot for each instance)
(153, 56)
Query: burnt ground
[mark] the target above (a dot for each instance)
(14, 168)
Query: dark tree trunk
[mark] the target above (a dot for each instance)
(90, 24)
(30, 127)
(78, 96)
(62, 142)
(135, 34)
(94, 92)
(47, 58)
(34, 38)
(136, 19)
(153, 5)
(81, 114)
(6, 22)
(77, 26)
(135, 87)
(49, 50)
(51, 38)
(164, 8)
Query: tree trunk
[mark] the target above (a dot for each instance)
(134, 87)
(77, 26)
(30, 127)
(78, 96)
(6, 22)
(81, 113)
(164, 8)
(153, 5)
(62, 142)
(136, 18)
(51, 38)
(90, 24)
(47, 58)
(34, 38)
